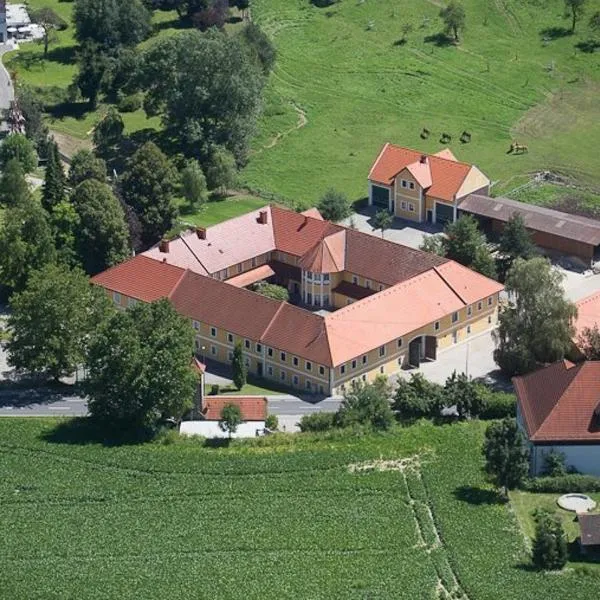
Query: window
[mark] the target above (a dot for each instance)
(282, 357)
(270, 370)
(197, 344)
(254, 262)
(399, 342)
(230, 338)
(308, 385)
(270, 352)
(479, 305)
(308, 366)
(223, 274)
(342, 369)
(468, 329)
(436, 326)
(213, 350)
(454, 317)
(317, 300)
(259, 348)
(403, 183)
(368, 284)
(247, 361)
(326, 301)
(230, 355)
(403, 205)
(326, 277)
(295, 361)
(380, 287)
(295, 380)
(247, 344)
(317, 277)
(282, 375)
(321, 370)
(196, 325)
(411, 185)
(490, 320)
(354, 364)
(308, 276)
(364, 359)
(321, 390)
(116, 298)
(454, 337)
(400, 360)
(411, 207)
(382, 351)
(239, 268)
(490, 300)
(213, 331)
(354, 279)
(469, 311)
(382, 370)
(131, 301)
(364, 377)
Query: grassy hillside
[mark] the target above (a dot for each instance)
(342, 71)
(274, 518)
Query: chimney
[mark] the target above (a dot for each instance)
(164, 246)
(423, 159)
(201, 233)
(263, 218)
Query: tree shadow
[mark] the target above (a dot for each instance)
(76, 110)
(555, 33)
(21, 393)
(217, 442)
(172, 24)
(440, 39)
(400, 42)
(81, 431)
(65, 55)
(588, 46)
(478, 496)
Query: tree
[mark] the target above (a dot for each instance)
(111, 23)
(193, 184)
(467, 245)
(576, 8)
(484, 262)
(231, 419)
(454, 18)
(51, 320)
(65, 226)
(221, 170)
(464, 393)
(13, 185)
(147, 186)
(406, 29)
(33, 111)
(536, 327)
(26, 243)
(515, 242)
(417, 398)
(334, 206)
(276, 292)
(506, 456)
(139, 368)
(53, 190)
(49, 21)
(434, 244)
(595, 22)
(214, 14)
(93, 66)
(85, 165)
(207, 89)
(260, 46)
(549, 550)
(109, 131)
(365, 404)
(238, 366)
(19, 147)
(588, 341)
(102, 239)
(382, 220)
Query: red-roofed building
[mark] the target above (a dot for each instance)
(558, 409)
(363, 306)
(422, 187)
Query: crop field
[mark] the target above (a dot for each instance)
(345, 82)
(401, 515)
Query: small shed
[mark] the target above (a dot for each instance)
(589, 539)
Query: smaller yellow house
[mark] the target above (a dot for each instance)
(422, 187)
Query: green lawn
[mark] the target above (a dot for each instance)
(219, 210)
(342, 67)
(279, 517)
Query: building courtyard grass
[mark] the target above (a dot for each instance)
(279, 517)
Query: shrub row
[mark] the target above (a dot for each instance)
(565, 484)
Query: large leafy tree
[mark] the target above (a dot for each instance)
(17, 146)
(382, 220)
(365, 404)
(49, 21)
(109, 131)
(147, 186)
(515, 242)
(65, 226)
(207, 88)
(33, 111)
(93, 69)
(506, 455)
(536, 326)
(575, 8)
(260, 46)
(454, 18)
(334, 206)
(51, 320)
(139, 367)
(417, 398)
(26, 242)
(53, 191)
(13, 185)
(102, 237)
(231, 418)
(86, 165)
(465, 394)
(193, 184)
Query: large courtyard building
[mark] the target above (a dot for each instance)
(359, 305)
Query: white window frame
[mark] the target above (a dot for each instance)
(403, 205)
(353, 364)
(403, 183)
(436, 326)
(382, 351)
(213, 332)
(282, 375)
(196, 325)
(230, 338)
(454, 317)
(308, 365)
(490, 300)
(411, 185)
(354, 279)
(116, 297)
(469, 310)
(411, 207)
(214, 350)
(270, 370)
(365, 359)
(479, 305)
(342, 369)
(282, 356)
(295, 380)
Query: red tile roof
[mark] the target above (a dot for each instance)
(327, 256)
(351, 290)
(588, 313)
(141, 278)
(253, 408)
(252, 276)
(558, 402)
(445, 174)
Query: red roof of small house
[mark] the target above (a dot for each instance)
(253, 408)
(441, 174)
(559, 402)
(142, 278)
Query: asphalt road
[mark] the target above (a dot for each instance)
(6, 89)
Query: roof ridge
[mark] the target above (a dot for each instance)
(449, 160)
(268, 327)
(174, 288)
(193, 253)
(385, 147)
(587, 299)
(435, 268)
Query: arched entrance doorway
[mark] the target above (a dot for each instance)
(422, 348)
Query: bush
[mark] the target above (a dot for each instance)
(319, 421)
(499, 405)
(214, 389)
(130, 103)
(554, 464)
(549, 550)
(334, 206)
(272, 422)
(565, 484)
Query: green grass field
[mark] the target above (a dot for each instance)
(512, 76)
(280, 517)
(215, 211)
